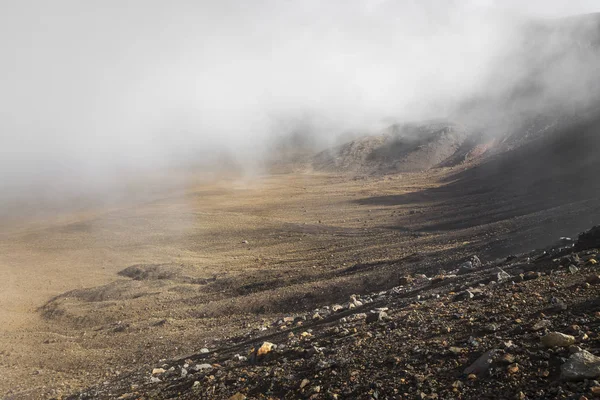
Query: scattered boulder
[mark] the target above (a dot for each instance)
(557, 305)
(593, 279)
(405, 280)
(482, 364)
(378, 316)
(530, 275)
(476, 262)
(201, 367)
(336, 308)
(264, 349)
(502, 276)
(557, 339)
(573, 269)
(581, 365)
(467, 264)
(541, 324)
(589, 239)
(304, 383)
(466, 295)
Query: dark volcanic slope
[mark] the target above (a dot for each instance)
(524, 184)
(553, 179)
(521, 328)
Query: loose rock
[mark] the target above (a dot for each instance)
(482, 364)
(581, 365)
(557, 339)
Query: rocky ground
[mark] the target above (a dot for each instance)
(108, 296)
(521, 327)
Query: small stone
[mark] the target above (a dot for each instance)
(237, 396)
(580, 366)
(158, 371)
(573, 269)
(508, 358)
(502, 276)
(200, 367)
(530, 275)
(466, 295)
(596, 391)
(204, 350)
(513, 368)
(472, 377)
(541, 324)
(356, 317)
(482, 364)
(592, 261)
(376, 317)
(508, 344)
(558, 305)
(264, 349)
(455, 350)
(593, 279)
(457, 384)
(154, 379)
(476, 262)
(557, 339)
(490, 328)
(304, 383)
(574, 349)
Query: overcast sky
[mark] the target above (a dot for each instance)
(88, 87)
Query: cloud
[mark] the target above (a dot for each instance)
(90, 89)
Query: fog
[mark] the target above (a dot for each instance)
(93, 89)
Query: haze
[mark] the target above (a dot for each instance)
(91, 89)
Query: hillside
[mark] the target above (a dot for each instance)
(446, 259)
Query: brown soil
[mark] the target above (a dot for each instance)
(90, 296)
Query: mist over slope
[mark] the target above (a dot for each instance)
(170, 84)
(546, 85)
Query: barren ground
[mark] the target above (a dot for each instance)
(90, 295)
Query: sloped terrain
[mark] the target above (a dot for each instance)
(400, 149)
(354, 280)
(518, 328)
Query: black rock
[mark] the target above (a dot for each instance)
(589, 239)
(466, 295)
(376, 317)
